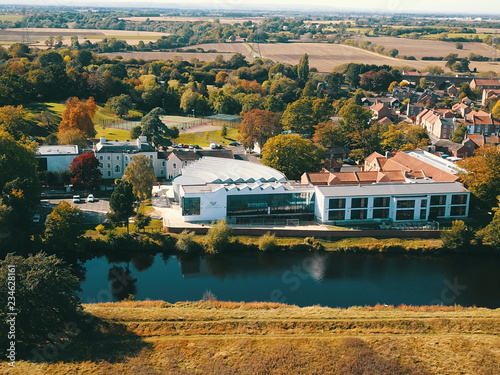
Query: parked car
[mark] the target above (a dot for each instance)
(191, 147)
(90, 198)
(235, 143)
(76, 199)
(36, 218)
(197, 147)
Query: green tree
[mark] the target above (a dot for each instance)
(185, 242)
(64, 230)
(135, 132)
(268, 242)
(141, 221)
(141, 175)
(120, 105)
(85, 171)
(458, 135)
(495, 111)
(303, 68)
(491, 233)
(458, 237)
(16, 121)
(327, 134)
(156, 131)
(292, 155)
(46, 300)
(483, 173)
(301, 115)
(218, 237)
(393, 52)
(121, 204)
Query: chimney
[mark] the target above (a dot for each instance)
(102, 140)
(387, 154)
(141, 139)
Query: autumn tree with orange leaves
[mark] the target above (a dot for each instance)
(77, 124)
(258, 126)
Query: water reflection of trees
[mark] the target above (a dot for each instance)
(143, 261)
(122, 282)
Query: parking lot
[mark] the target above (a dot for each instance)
(94, 212)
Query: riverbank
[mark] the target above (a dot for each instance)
(212, 337)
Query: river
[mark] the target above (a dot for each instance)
(304, 279)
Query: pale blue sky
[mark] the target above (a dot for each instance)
(483, 7)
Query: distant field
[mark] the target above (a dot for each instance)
(37, 36)
(227, 338)
(437, 48)
(11, 17)
(229, 20)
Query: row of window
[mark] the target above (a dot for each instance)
(436, 200)
(108, 157)
(404, 214)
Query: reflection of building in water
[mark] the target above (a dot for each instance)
(194, 266)
(315, 265)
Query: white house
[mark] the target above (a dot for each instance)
(56, 157)
(115, 156)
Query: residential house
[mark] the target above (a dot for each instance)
(381, 110)
(390, 102)
(480, 122)
(484, 83)
(458, 150)
(412, 110)
(480, 139)
(461, 109)
(439, 124)
(490, 94)
(115, 156)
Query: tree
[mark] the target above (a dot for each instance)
(327, 134)
(292, 155)
(458, 135)
(121, 204)
(258, 126)
(152, 127)
(459, 45)
(16, 121)
(64, 230)
(78, 115)
(136, 131)
(185, 242)
(393, 52)
(491, 233)
(85, 171)
(483, 173)
(46, 299)
(19, 189)
(218, 237)
(495, 111)
(458, 237)
(141, 221)
(141, 175)
(301, 115)
(120, 105)
(303, 68)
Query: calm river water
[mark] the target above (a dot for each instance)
(336, 280)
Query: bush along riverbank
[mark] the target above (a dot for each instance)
(218, 240)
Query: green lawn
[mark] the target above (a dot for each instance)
(11, 17)
(208, 137)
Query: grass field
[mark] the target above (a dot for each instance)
(11, 17)
(211, 337)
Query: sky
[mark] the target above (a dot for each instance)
(475, 7)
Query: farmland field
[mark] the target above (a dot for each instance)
(212, 337)
(37, 36)
(229, 20)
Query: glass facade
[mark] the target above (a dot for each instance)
(269, 204)
(191, 206)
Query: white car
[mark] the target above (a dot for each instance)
(76, 199)
(90, 198)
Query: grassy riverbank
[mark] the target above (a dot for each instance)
(211, 337)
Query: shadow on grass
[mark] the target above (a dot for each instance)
(39, 107)
(96, 341)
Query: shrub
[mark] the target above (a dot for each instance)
(458, 237)
(267, 242)
(185, 242)
(218, 237)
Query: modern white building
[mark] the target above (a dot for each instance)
(212, 189)
(56, 157)
(115, 156)
(391, 202)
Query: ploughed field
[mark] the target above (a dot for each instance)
(211, 337)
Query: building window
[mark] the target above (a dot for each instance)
(126, 158)
(100, 165)
(109, 157)
(436, 212)
(438, 200)
(457, 211)
(100, 157)
(358, 214)
(381, 213)
(175, 166)
(162, 172)
(117, 157)
(163, 163)
(423, 214)
(151, 156)
(117, 168)
(336, 203)
(109, 173)
(109, 165)
(381, 202)
(191, 206)
(336, 215)
(359, 202)
(405, 204)
(404, 215)
(459, 199)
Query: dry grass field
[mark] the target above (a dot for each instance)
(38, 36)
(420, 48)
(229, 20)
(322, 56)
(211, 337)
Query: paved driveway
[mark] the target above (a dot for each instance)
(94, 212)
